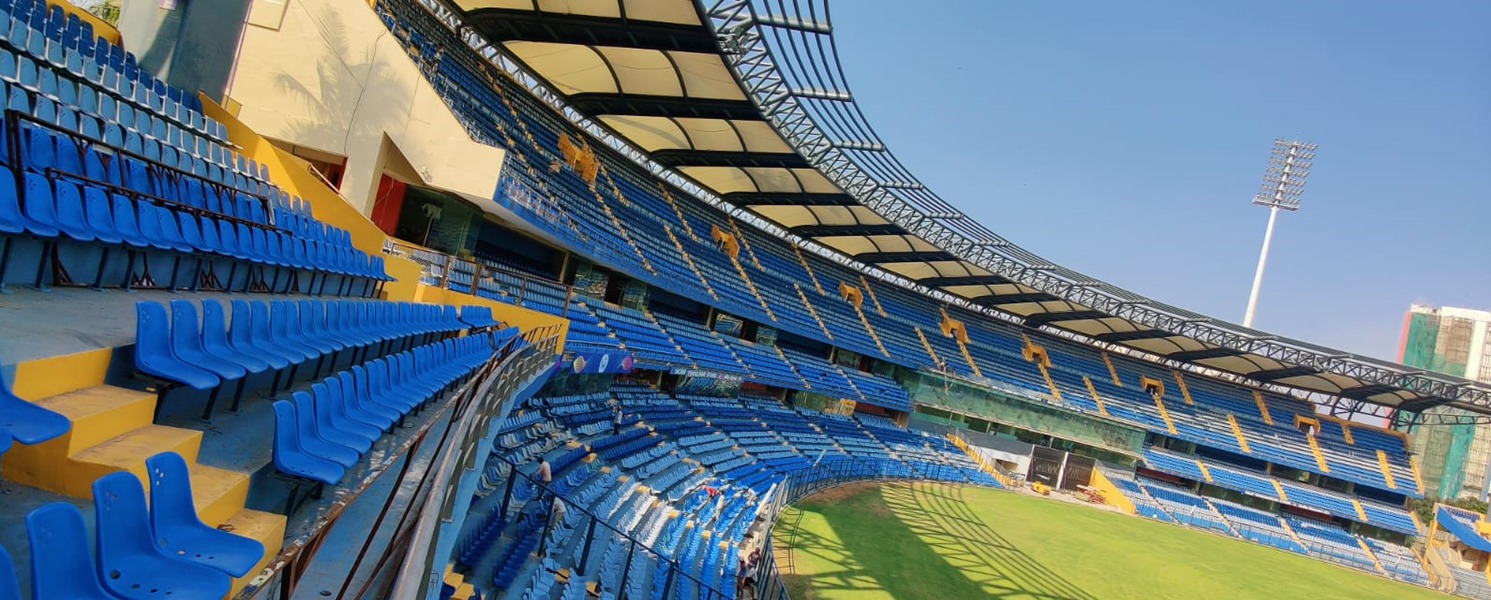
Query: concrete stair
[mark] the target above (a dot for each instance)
(113, 431)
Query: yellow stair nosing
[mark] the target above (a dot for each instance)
(100, 413)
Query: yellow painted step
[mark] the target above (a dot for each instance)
(1360, 511)
(1242, 442)
(98, 414)
(1319, 456)
(1387, 470)
(217, 493)
(126, 453)
(268, 528)
(1278, 487)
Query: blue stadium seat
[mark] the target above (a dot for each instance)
(155, 356)
(312, 439)
(215, 339)
(62, 565)
(333, 419)
(291, 458)
(131, 562)
(10, 587)
(187, 343)
(27, 423)
(178, 530)
(357, 405)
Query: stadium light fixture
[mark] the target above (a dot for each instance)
(1283, 182)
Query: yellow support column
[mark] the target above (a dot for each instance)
(1112, 370)
(1091, 389)
(1387, 471)
(1319, 456)
(1242, 442)
(1262, 408)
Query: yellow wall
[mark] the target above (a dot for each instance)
(1111, 494)
(327, 75)
(523, 318)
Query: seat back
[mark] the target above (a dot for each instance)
(171, 503)
(152, 337)
(62, 565)
(122, 518)
(186, 329)
(214, 325)
(10, 586)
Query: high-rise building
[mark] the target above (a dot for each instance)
(1453, 459)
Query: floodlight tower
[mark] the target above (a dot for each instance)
(1283, 182)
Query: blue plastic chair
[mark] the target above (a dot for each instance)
(335, 425)
(131, 564)
(340, 392)
(266, 338)
(40, 208)
(240, 336)
(215, 339)
(292, 459)
(359, 400)
(28, 423)
(312, 440)
(10, 586)
(153, 353)
(284, 327)
(178, 530)
(187, 343)
(70, 217)
(11, 220)
(62, 565)
(99, 215)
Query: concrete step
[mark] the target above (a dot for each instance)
(98, 414)
(268, 528)
(126, 453)
(217, 493)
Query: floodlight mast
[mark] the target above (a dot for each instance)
(1283, 182)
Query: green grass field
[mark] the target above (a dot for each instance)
(939, 542)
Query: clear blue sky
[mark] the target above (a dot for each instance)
(1126, 140)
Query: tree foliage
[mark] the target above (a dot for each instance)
(1425, 508)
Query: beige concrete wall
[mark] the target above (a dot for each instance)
(326, 74)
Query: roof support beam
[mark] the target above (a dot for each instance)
(1133, 336)
(832, 230)
(727, 158)
(1003, 299)
(963, 280)
(1038, 320)
(1367, 391)
(894, 257)
(664, 106)
(507, 25)
(774, 199)
(1284, 373)
(1194, 355)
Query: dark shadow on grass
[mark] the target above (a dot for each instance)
(928, 545)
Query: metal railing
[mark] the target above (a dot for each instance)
(437, 268)
(467, 438)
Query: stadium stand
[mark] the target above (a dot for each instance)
(275, 368)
